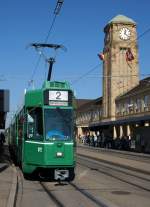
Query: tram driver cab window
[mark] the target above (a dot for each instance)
(34, 123)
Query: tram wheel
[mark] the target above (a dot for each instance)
(71, 175)
(27, 176)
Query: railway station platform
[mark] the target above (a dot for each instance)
(8, 179)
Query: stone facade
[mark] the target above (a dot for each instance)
(135, 102)
(119, 75)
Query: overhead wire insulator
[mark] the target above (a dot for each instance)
(58, 7)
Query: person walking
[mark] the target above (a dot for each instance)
(95, 140)
(2, 138)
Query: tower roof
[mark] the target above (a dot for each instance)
(122, 19)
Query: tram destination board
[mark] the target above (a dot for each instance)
(58, 98)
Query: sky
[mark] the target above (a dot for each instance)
(79, 27)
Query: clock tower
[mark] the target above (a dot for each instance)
(120, 66)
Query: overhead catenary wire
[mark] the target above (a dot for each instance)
(50, 60)
(56, 12)
(87, 73)
(22, 77)
(95, 67)
(82, 76)
(41, 52)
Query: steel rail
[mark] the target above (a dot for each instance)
(99, 202)
(52, 196)
(122, 154)
(116, 164)
(106, 172)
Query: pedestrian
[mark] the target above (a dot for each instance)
(95, 140)
(123, 142)
(2, 138)
(142, 145)
(92, 140)
(127, 143)
(98, 140)
(117, 143)
(88, 139)
(79, 138)
(103, 143)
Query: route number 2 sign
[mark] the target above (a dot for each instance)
(58, 95)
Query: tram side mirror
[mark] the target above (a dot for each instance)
(30, 131)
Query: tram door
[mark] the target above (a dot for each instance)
(33, 145)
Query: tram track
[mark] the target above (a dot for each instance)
(73, 190)
(55, 198)
(102, 163)
(96, 202)
(120, 154)
(116, 164)
(110, 171)
(51, 195)
(99, 202)
(19, 193)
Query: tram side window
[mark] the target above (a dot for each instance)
(35, 123)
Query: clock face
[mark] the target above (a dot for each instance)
(125, 33)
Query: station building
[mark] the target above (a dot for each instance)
(124, 108)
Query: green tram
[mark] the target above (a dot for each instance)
(41, 135)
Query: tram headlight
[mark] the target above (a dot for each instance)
(59, 154)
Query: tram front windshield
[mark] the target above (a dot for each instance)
(58, 124)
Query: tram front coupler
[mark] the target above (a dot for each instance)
(61, 174)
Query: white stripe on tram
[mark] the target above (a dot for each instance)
(39, 142)
(68, 143)
(50, 143)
